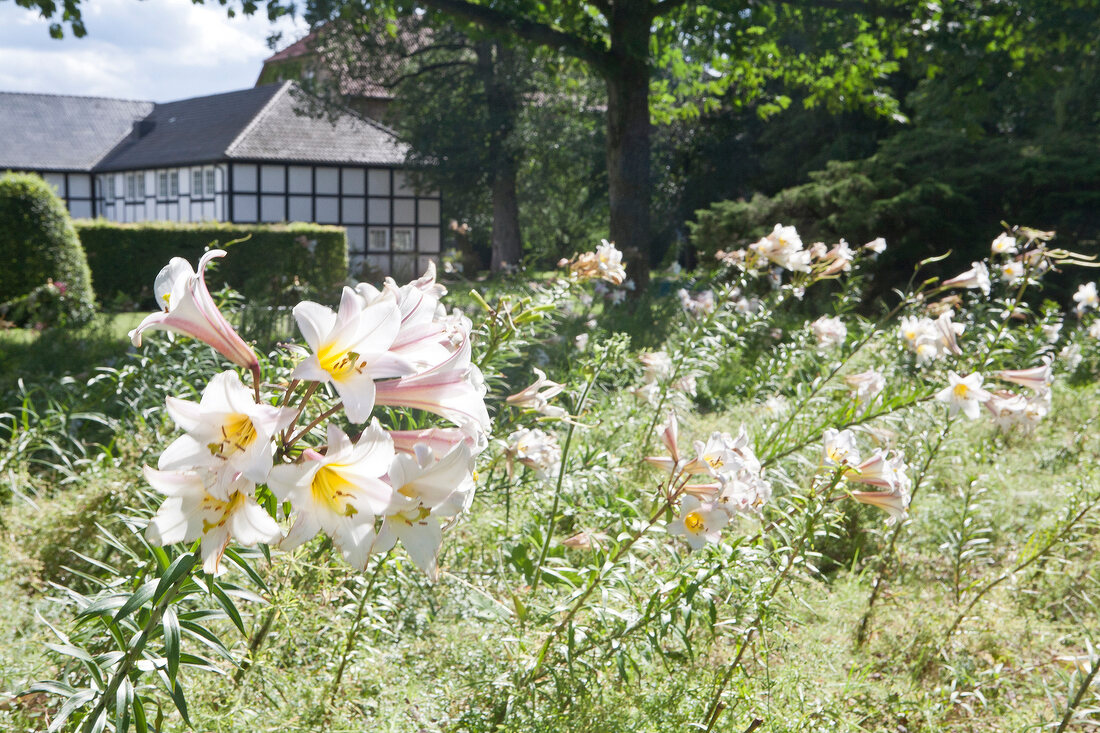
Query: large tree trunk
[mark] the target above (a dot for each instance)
(496, 64)
(507, 248)
(627, 78)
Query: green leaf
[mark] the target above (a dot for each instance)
(245, 566)
(123, 699)
(179, 567)
(139, 598)
(76, 701)
(181, 701)
(226, 604)
(171, 641)
(141, 725)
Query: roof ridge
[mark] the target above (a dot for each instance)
(256, 118)
(80, 96)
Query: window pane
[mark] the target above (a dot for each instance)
(174, 184)
(379, 240)
(196, 184)
(210, 182)
(162, 185)
(402, 240)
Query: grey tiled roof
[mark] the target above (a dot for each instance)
(282, 132)
(53, 132)
(190, 131)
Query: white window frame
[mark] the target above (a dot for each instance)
(372, 232)
(395, 238)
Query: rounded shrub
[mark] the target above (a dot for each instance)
(45, 278)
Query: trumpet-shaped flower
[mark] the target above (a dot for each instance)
(351, 348)
(894, 502)
(226, 432)
(1037, 378)
(876, 246)
(537, 396)
(606, 263)
(339, 493)
(1008, 409)
(191, 512)
(1086, 297)
(1012, 271)
(699, 522)
(839, 449)
(440, 440)
(1004, 244)
(453, 389)
(535, 449)
(783, 247)
(948, 332)
(963, 394)
(669, 433)
(976, 277)
(866, 385)
(425, 491)
(829, 332)
(187, 308)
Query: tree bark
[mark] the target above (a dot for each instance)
(628, 136)
(496, 64)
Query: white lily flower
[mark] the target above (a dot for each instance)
(425, 490)
(894, 502)
(866, 385)
(454, 389)
(963, 393)
(783, 247)
(1008, 409)
(698, 523)
(191, 512)
(188, 308)
(1086, 297)
(839, 449)
(829, 332)
(976, 277)
(1012, 271)
(535, 449)
(1004, 244)
(351, 348)
(1037, 378)
(537, 396)
(876, 246)
(226, 432)
(339, 493)
(949, 331)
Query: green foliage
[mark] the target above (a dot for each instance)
(127, 257)
(926, 191)
(39, 246)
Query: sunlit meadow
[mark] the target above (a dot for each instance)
(743, 500)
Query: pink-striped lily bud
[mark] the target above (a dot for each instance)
(440, 440)
(1037, 378)
(187, 308)
(976, 277)
(894, 502)
(454, 389)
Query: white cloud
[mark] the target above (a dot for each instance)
(159, 50)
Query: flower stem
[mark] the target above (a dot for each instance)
(562, 468)
(1073, 704)
(349, 643)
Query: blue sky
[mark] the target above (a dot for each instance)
(157, 50)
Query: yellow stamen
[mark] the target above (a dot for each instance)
(332, 490)
(238, 433)
(693, 522)
(339, 363)
(961, 391)
(224, 508)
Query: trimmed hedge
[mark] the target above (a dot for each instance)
(927, 192)
(37, 245)
(125, 258)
